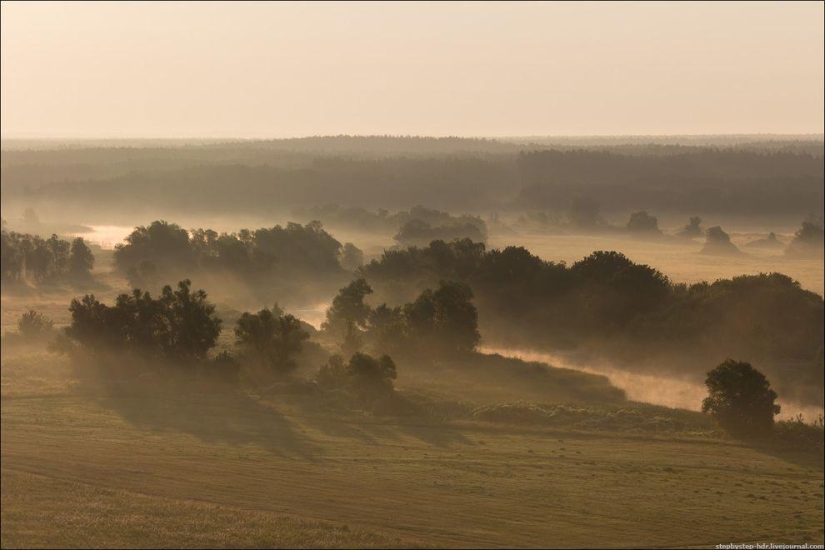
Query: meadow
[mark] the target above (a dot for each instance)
(135, 463)
(500, 445)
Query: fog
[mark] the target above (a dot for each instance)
(681, 263)
(646, 388)
(403, 275)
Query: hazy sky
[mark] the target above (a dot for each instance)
(279, 69)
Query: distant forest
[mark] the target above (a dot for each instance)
(465, 175)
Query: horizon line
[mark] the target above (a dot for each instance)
(42, 137)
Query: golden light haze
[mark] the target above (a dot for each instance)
(256, 69)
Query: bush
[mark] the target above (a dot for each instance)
(363, 374)
(333, 373)
(798, 434)
(227, 367)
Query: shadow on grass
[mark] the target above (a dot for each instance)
(802, 456)
(346, 423)
(228, 417)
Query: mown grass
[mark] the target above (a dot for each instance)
(41, 511)
(132, 465)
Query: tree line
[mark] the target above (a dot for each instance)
(245, 180)
(163, 249)
(30, 257)
(180, 326)
(628, 312)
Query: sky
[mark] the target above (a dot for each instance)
(260, 69)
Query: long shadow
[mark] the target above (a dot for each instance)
(805, 458)
(438, 435)
(227, 417)
(380, 430)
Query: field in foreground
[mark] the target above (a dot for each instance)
(84, 469)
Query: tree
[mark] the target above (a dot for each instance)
(601, 266)
(456, 318)
(11, 255)
(809, 240)
(642, 222)
(353, 341)
(193, 327)
(81, 259)
(162, 243)
(34, 326)
(89, 326)
(584, 213)
(348, 306)
(445, 318)
(352, 257)
(740, 399)
(179, 325)
(271, 337)
(693, 228)
(387, 330)
(718, 243)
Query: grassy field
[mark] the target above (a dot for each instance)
(88, 465)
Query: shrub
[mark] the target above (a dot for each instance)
(364, 374)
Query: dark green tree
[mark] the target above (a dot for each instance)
(642, 222)
(179, 325)
(444, 319)
(740, 398)
(81, 259)
(194, 329)
(162, 243)
(348, 306)
(270, 337)
(456, 318)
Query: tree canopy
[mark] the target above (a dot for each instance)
(740, 398)
(271, 337)
(179, 325)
